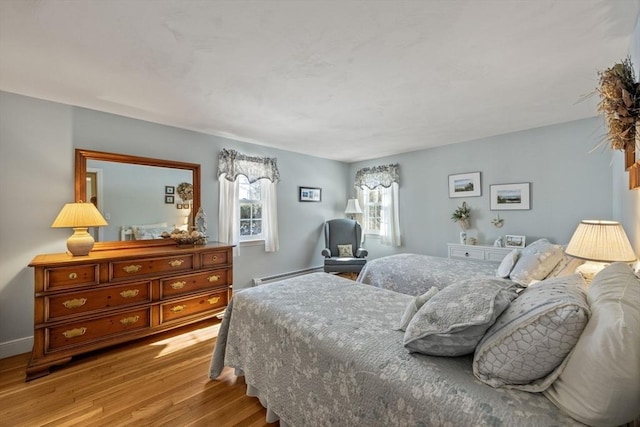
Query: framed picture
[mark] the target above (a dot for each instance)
(178, 205)
(168, 199)
(510, 197)
(465, 185)
(169, 189)
(309, 194)
(512, 241)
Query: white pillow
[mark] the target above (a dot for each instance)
(507, 264)
(149, 231)
(536, 262)
(600, 384)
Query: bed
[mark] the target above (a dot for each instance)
(321, 350)
(334, 360)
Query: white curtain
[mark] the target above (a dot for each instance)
(231, 164)
(229, 215)
(390, 216)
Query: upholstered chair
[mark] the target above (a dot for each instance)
(343, 253)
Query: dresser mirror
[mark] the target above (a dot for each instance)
(138, 196)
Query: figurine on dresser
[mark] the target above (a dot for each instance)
(498, 242)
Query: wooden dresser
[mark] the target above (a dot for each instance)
(113, 296)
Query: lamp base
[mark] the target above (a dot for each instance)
(589, 269)
(80, 243)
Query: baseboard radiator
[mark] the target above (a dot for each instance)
(276, 277)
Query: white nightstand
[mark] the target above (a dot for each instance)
(478, 252)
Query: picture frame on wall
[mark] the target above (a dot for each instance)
(169, 189)
(309, 194)
(465, 185)
(510, 197)
(514, 241)
(169, 199)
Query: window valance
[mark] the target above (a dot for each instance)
(376, 176)
(233, 163)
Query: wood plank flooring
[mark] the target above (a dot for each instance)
(159, 380)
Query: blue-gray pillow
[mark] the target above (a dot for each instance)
(454, 320)
(536, 261)
(527, 345)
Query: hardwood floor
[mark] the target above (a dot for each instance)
(156, 381)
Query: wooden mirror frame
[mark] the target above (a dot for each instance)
(81, 191)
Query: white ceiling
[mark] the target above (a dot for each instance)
(345, 80)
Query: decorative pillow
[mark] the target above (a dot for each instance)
(536, 262)
(508, 263)
(413, 308)
(149, 231)
(345, 251)
(600, 384)
(454, 320)
(526, 346)
(566, 267)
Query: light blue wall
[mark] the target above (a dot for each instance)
(567, 184)
(37, 143)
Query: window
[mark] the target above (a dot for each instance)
(372, 212)
(250, 209)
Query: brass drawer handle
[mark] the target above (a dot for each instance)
(132, 268)
(129, 320)
(129, 293)
(71, 333)
(178, 285)
(176, 262)
(177, 308)
(213, 278)
(75, 303)
(73, 276)
(214, 258)
(213, 300)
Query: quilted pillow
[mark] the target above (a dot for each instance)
(526, 346)
(566, 267)
(454, 320)
(413, 307)
(507, 264)
(536, 262)
(345, 251)
(600, 385)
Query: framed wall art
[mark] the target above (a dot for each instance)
(169, 199)
(169, 189)
(513, 241)
(510, 197)
(465, 185)
(309, 194)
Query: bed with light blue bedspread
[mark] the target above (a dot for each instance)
(319, 350)
(415, 274)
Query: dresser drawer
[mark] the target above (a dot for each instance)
(64, 277)
(466, 253)
(213, 258)
(82, 332)
(213, 302)
(70, 304)
(141, 267)
(193, 283)
(495, 255)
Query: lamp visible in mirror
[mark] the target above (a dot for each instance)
(353, 208)
(79, 216)
(599, 242)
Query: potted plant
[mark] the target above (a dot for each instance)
(461, 215)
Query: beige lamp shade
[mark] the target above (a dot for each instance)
(353, 207)
(79, 216)
(602, 241)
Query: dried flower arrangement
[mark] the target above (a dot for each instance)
(620, 104)
(185, 191)
(461, 215)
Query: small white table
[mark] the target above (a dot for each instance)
(478, 252)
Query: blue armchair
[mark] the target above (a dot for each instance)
(345, 235)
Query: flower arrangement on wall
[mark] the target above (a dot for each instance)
(620, 104)
(461, 215)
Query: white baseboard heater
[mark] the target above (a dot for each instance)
(276, 277)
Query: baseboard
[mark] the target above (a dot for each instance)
(274, 278)
(14, 347)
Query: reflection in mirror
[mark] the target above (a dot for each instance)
(136, 195)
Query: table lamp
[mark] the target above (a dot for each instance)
(79, 216)
(353, 208)
(599, 243)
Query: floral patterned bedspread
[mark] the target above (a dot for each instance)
(321, 352)
(415, 274)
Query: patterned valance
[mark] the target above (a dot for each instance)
(377, 176)
(232, 163)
